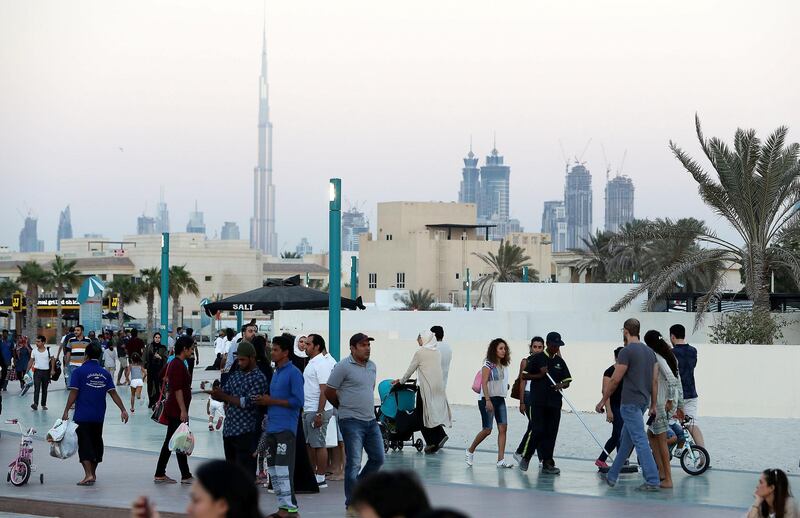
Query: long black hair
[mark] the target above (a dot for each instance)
(654, 341)
(777, 479)
(224, 480)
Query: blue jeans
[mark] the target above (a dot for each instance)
(358, 435)
(68, 373)
(633, 435)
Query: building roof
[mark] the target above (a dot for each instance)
(81, 264)
(457, 225)
(287, 268)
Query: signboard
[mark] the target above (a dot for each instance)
(113, 303)
(16, 302)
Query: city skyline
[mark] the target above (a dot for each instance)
(184, 118)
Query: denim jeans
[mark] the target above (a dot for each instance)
(358, 435)
(634, 436)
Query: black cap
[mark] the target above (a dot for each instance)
(554, 338)
(358, 337)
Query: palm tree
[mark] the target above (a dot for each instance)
(150, 282)
(34, 277)
(180, 282)
(291, 255)
(8, 287)
(756, 191)
(596, 258)
(128, 291)
(506, 266)
(64, 275)
(420, 300)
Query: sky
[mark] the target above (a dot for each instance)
(102, 102)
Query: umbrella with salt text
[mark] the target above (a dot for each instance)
(280, 294)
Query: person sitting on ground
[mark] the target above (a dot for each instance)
(390, 494)
(220, 490)
(773, 497)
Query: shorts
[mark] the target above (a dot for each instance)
(90, 442)
(123, 362)
(315, 437)
(137, 383)
(690, 408)
(338, 428)
(500, 413)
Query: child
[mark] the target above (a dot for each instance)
(138, 378)
(214, 409)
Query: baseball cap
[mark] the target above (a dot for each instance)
(554, 338)
(359, 337)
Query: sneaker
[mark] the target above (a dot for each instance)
(442, 443)
(469, 458)
(44, 408)
(601, 464)
(523, 464)
(210, 428)
(34, 407)
(518, 457)
(611, 483)
(503, 463)
(323, 484)
(648, 488)
(550, 470)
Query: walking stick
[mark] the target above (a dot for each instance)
(575, 411)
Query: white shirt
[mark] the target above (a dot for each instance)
(220, 345)
(41, 360)
(316, 373)
(447, 354)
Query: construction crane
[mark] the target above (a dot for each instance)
(622, 163)
(579, 159)
(564, 154)
(605, 159)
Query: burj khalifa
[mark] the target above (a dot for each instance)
(262, 224)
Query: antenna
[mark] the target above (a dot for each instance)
(579, 159)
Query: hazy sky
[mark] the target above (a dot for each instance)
(384, 95)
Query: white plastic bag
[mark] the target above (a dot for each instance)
(28, 378)
(68, 444)
(182, 441)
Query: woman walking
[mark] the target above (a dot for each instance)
(668, 400)
(42, 364)
(492, 400)
(525, 402)
(773, 497)
(154, 359)
(613, 415)
(427, 362)
(22, 357)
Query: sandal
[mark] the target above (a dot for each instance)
(85, 483)
(164, 480)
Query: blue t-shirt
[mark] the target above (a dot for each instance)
(6, 349)
(93, 382)
(23, 359)
(287, 383)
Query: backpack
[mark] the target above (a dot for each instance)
(57, 370)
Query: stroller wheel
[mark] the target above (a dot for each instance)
(418, 445)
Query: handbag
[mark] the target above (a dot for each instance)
(478, 381)
(515, 389)
(158, 409)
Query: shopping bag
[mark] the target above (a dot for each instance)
(68, 444)
(478, 381)
(182, 441)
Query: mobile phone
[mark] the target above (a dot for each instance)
(651, 420)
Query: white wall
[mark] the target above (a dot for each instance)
(556, 296)
(732, 380)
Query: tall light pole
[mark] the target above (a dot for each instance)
(335, 266)
(165, 286)
(469, 288)
(353, 277)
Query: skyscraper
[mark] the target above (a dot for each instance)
(578, 205)
(354, 223)
(494, 182)
(619, 202)
(29, 237)
(230, 231)
(145, 225)
(554, 222)
(64, 227)
(196, 224)
(262, 225)
(470, 179)
(304, 247)
(162, 215)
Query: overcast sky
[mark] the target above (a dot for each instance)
(384, 95)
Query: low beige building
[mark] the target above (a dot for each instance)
(430, 245)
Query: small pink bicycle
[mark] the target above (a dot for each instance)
(20, 469)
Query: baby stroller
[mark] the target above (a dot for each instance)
(398, 415)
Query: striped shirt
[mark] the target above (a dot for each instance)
(77, 350)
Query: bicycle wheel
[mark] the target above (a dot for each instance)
(696, 461)
(21, 472)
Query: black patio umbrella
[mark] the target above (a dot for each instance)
(3, 314)
(275, 295)
(111, 315)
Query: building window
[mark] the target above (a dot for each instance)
(103, 276)
(401, 280)
(458, 276)
(195, 313)
(208, 278)
(373, 281)
(388, 237)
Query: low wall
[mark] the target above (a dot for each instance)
(732, 380)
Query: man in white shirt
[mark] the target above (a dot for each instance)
(317, 411)
(445, 351)
(220, 348)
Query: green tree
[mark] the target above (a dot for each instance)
(506, 266)
(34, 277)
(8, 287)
(64, 275)
(128, 291)
(290, 255)
(180, 282)
(150, 282)
(596, 258)
(756, 190)
(419, 300)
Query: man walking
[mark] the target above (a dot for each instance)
(122, 356)
(285, 399)
(636, 365)
(242, 427)
(351, 388)
(687, 361)
(74, 352)
(247, 335)
(545, 400)
(6, 351)
(317, 410)
(444, 350)
(88, 386)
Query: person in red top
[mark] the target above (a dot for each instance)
(176, 411)
(135, 344)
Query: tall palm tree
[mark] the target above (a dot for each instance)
(34, 277)
(420, 300)
(756, 190)
(64, 275)
(180, 282)
(596, 257)
(291, 255)
(128, 291)
(506, 266)
(8, 287)
(150, 282)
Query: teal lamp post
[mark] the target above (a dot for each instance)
(353, 277)
(335, 267)
(164, 286)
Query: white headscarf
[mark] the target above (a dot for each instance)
(428, 340)
(297, 351)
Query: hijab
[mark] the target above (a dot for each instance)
(297, 351)
(428, 340)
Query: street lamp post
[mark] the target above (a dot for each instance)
(469, 288)
(335, 266)
(164, 286)
(353, 277)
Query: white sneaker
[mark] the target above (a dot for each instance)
(503, 463)
(517, 457)
(470, 458)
